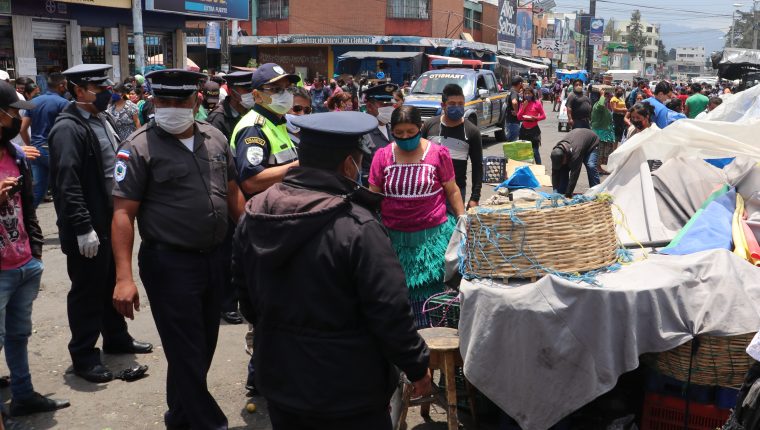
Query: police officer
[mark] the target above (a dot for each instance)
(263, 149)
(83, 145)
(379, 103)
(328, 295)
(177, 177)
(238, 102)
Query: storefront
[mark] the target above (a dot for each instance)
(306, 61)
(93, 45)
(50, 46)
(7, 62)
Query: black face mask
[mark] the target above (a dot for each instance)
(102, 100)
(10, 132)
(618, 95)
(638, 124)
(332, 86)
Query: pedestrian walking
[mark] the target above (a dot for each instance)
(417, 178)
(209, 100)
(578, 107)
(329, 298)
(697, 102)
(20, 260)
(513, 106)
(617, 104)
(602, 125)
(238, 102)
(576, 149)
(531, 113)
(379, 102)
(83, 148)
(461, 137)
(641, 117)
(123, 112)
(319, 95)
(301, 106)
(177, 177)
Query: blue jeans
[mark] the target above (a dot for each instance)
(41, 175)
(513, 131)
(591, 172)
(18, 289)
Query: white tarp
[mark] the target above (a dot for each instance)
(741, 107)
(541, 351)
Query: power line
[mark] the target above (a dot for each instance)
(665, 8)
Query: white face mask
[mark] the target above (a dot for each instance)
(384, 114)
(174, 120)
(246, 99)
(281, 103)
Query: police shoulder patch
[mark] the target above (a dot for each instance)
(254, 155)
(255, 141)
(120, 170)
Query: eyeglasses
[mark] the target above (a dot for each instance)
(305, 109)
(276, 90)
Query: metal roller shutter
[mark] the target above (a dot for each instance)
(47, 30)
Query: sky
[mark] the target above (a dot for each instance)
(704, 24)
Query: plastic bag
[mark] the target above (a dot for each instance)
(523, 177)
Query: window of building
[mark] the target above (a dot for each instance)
(159, 50)
(273, 9)
(472, 19)
(93, 47)
(409, 9)
(649, 29)
(7, 62)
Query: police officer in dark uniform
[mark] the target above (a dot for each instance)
(177, 177)
(83, 146)
(238, 102)
(379, 103)
(327, 292)
(262, 146)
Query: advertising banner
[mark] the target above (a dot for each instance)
(552, 45)
(213, 35)
(524, 36)
(229, 9)
(507, 26)
(122, 4)
(596, 32)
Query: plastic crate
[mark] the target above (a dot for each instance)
(443, 310)
(494, 170)
(668, 413)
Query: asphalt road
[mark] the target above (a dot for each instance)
(140, 405)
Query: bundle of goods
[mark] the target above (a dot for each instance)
(520, 150)
(556, 235)
(494, 170)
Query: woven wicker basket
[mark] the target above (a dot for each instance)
(574, 238)
(720, 361)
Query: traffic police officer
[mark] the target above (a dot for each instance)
(176, 176)
(379, 103)
(238, 102)
(263, 149)
(83, 145)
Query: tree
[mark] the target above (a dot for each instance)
(672, 54)
(636, 36)
(611, 31)
(662, 54)
(741, 30)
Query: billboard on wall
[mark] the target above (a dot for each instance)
(507, 26)
(122, 4)
(229, 9)
(524, 36)
(596, 32)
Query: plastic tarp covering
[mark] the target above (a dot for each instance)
(520, 62)
(631, 183)
(743, 107)
(709, 228)
(732, 63)
(371, 55)
(543, 350)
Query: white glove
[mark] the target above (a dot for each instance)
(88, 244)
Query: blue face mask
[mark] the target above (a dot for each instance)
(455, 112)
(409, 144)
(358, 179)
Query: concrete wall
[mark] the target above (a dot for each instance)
(336, 17)
(448, 18)
(490, 23)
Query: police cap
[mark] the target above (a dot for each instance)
(334, 130)
(239, 79)
(174, 83)
(211, 92)
(381, 92)
(271, 72)
(83, 74)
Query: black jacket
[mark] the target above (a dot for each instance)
(31, 225)
(82, 200)
(221, 118)
(577, 145)
(329, 300)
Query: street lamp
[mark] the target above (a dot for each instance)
(733, 21)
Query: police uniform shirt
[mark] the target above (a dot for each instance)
(183, 193)
(253, 153)
(108, 140)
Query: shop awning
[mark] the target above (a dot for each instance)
(375, 55)
(519, 62)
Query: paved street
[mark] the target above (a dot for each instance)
(140, 405)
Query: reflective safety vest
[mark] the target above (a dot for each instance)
(281, 148)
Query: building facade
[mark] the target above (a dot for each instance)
(646, 61)
(689, 63)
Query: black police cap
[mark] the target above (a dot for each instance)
(175, 83)
(239, 79)
(381, 92)
(9, 98)
(333, 130)
(83, 74)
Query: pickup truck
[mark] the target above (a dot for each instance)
(485, 105)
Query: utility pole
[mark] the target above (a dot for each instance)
(754, 24)
(137, 37)
(589, 46)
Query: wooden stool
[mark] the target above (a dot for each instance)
(443, 344)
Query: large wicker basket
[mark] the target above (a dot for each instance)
(506, 242)
(719, 361)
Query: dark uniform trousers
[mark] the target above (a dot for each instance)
(229, 292)
(184, 293)
(285, 420)
(90, 305)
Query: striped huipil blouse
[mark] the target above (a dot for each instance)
(414, 195)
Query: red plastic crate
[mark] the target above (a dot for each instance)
(667, 413)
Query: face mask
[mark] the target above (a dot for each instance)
(115, 97)
(578, 90)
(618, 95)
(247, 100)
(638, 124)
(455, 113)
(358, 179)
(102, 99)
(281, 103)
(409, 144)
(10, 132)
(528, 98)
(174, 120)
(384, 114)
(332, 86)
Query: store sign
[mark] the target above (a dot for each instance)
(596, 32)
(507, 30)
(524, 35)
(213, 35)
(300, 39)
(5, 6)
(26, 66)
(552, 45)
(230, 9)
(121, 4)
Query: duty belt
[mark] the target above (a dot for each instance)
(160, 246)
